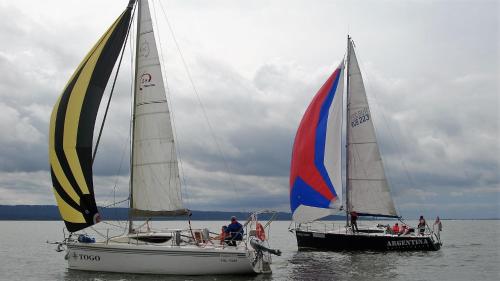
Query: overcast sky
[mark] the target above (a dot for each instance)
(431, 70)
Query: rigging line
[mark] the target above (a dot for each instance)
(393, 139)
(114, 203)
(209, 125)
(132, 86)
(182, 175)
(118, 172)
(112, 88)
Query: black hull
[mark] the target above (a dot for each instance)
(307, 240)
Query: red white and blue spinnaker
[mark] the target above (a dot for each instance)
(316, 168)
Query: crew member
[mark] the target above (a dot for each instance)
(354, 221)
(395, 228)
(421, 225)
(222, 235)
(234, 231)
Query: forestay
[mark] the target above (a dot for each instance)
(156, 189)
(368, 191)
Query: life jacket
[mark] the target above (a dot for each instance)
(395, 228)
(222, 236)
(260, 232)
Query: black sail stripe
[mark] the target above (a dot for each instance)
(60, 121)
(59, 126)
(87, 206)
(100, 76)
(59, 133)
(59, 189)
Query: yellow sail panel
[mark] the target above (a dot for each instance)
(75, 106)
(68, 213)
(56, 167)
(72, 127)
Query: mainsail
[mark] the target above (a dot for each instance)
(72, 128)
(367, 189)
(156, 189)
(316, 168)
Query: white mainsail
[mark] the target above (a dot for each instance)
(367, 190)
(156, 188)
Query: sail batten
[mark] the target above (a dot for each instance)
(156, 188)
(72, 124)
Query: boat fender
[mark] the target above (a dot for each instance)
(260, 233)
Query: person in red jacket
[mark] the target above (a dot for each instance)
(395, 228)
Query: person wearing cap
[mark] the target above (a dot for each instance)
(234, 231)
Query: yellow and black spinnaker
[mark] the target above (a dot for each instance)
(72, 128)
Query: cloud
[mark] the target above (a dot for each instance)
(495, 190)
(432, 86)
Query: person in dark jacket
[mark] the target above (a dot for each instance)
(234, 231)
(354, 221)
(421, 225)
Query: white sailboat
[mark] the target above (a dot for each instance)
(155, 187)
(316, 172)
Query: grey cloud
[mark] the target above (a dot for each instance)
(431, 81)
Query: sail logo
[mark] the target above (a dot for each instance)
(145, 81)
(405, 243)
(359, 117)
(144, 49)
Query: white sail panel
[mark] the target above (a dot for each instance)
(316, 168)
(333, 147)
(155, 174)
(305, 214)
(368, 191)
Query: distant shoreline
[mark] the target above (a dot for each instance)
(51, 213)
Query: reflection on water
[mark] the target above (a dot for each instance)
(312, 265)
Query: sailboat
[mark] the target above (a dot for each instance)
(316, 172)
(155, 187)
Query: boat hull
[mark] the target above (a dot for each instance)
(147, 259)
(311, 240)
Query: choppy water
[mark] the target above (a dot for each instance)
(471, 251)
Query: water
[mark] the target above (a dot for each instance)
(471, 251)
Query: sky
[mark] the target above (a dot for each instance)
(431, 72)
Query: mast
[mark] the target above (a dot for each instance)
(138, 30)
(347, 182)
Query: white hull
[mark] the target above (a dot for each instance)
(164, 259)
